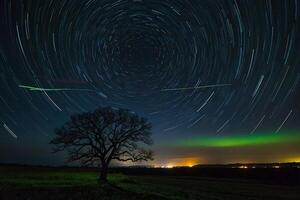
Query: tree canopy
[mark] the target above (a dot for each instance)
(104, 135)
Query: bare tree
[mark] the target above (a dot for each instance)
(104, 135)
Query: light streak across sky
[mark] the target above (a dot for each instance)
(39, 89)
(31, 88)
(195, 88)
(10, 131)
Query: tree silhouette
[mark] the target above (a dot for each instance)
(104, 135)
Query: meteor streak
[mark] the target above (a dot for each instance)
(194, 88)
(38, 89)
(10, 131)
(30, 88)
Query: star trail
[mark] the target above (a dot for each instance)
(218, 70)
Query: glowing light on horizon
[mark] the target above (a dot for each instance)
(179, 162)
(167, 166)
(293, 159)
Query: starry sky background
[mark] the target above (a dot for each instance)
(122, 53)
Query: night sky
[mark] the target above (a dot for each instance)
(61, 57)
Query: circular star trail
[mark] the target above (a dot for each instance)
(63, 57)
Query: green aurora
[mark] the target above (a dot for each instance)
(256, 139)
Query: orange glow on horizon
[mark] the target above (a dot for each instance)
(179, 162)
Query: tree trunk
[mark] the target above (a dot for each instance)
(103, 173)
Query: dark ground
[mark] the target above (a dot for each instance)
(75, 193)
(34, 183)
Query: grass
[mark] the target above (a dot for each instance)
(52, 179)
(57, 178)
(140, 187)
(62, 184)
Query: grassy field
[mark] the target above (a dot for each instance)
(17, 183)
